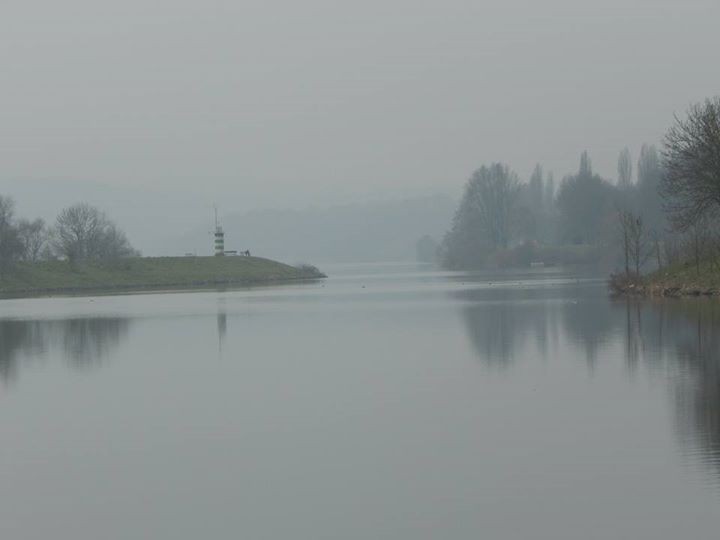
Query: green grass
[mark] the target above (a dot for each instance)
(146, 273)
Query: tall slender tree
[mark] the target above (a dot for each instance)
(624, 168)
(585, 166)
(549, 195)
(650, 175)
(585, 204)
(537, 187)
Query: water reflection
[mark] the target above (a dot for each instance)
(501, 323)
(687, 335)
(85, 342)
(680, 339)
(499, 331)
(19, 338)
(221, 323)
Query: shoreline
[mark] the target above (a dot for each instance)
(142, 275)
(664, 291)
(677, 283)
(159, 288)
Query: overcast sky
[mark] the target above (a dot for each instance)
(267, 103)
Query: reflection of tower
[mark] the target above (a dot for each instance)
(221, 322)
(219, 238)
(222, 326)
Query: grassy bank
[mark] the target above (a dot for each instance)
(55, 277)
(675, 281)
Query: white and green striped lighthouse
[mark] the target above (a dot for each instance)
(219, 242)
(219, 237)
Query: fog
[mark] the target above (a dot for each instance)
(154, 112)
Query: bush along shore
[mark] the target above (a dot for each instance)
(149, 273)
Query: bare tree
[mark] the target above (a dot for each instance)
(78, 230)
(636, 242)
(715, 250)
(673, 249)
(657, 247)
(114, 244)
(484, 218)
(624, 169)
(7, 212)
(84, 232)
(10, 245)
(691, 184)
(624, 220)
(33, 235)
(697, 238)
(491, 194)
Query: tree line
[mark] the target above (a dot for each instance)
(80, 232)
(661, 209)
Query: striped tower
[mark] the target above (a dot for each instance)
(219, 242)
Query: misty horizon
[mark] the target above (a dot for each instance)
(256, 106)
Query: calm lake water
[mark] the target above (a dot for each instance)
(388, 402)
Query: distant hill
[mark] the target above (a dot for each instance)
(381, 231)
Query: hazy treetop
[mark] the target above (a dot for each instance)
(268, 103)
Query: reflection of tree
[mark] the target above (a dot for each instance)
(680, 339)
(222, 328)
(18, 338)
(697, 327)
(588, 323)
(698, 412)
(491, 328)
(632, 335)
(85, 341)
(501, 321)
(683, 338)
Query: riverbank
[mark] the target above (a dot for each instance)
(137, 274)
(675, 282)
